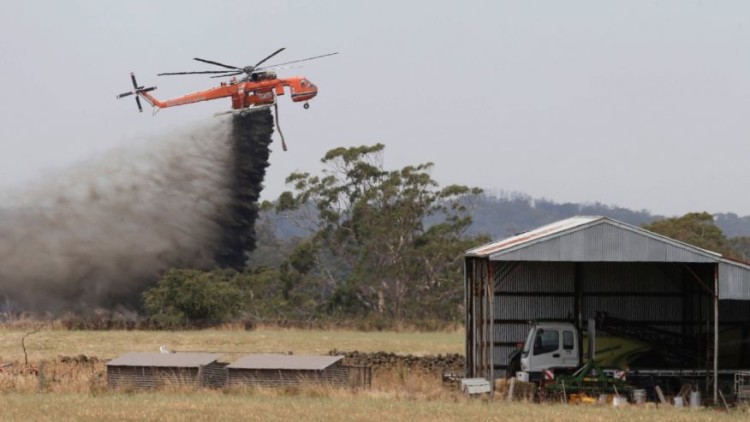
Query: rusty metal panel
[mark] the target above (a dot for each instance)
(479, 317)
(734, 280)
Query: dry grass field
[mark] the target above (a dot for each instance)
(77, 391)
(49, 343)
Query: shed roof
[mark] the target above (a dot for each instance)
(602, 239)
(593, 239)
(170, 360)
(292, 362)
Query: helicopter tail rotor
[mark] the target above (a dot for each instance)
(137, 91)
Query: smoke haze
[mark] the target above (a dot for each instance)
(98, 234)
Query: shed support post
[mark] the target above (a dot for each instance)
(716, 334)
(467, 319)
(491, 326)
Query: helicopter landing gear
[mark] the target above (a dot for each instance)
(306, 106)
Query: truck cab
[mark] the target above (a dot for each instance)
(550, 345)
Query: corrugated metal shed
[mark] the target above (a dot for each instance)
(295, 371)
(152, 370)
(571, 269)
(168, 360)
(592, 239)
(601, 239)
(291, 362)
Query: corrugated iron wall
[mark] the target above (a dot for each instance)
(479, 317)
(211, 375)
(735, 333)
(611, 267)
(662, 295)
(733, 283)
(337, 376)
(150, 377)
(523, 292)
(673, 297)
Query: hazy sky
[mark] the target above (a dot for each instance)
(641, 104)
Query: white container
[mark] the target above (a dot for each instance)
(678, 402)
(522, 376)
(618, 401)
(639, 396)
(695, 399)
(475, 386)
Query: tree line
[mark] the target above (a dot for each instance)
(373, 244)
(379, 244)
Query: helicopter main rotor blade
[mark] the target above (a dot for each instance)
(195, 73)
(217, 63)
(228, 74)
(297, 61)
(272, 54)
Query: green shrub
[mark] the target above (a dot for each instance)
(185, 297)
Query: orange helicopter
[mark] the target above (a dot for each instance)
(257, 90)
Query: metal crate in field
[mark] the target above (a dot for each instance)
(275, 370)
(151, 370)
(742, 387)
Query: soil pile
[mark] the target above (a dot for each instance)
(386, 361)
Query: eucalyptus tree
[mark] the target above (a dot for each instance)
(382, 241)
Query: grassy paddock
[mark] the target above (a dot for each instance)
(48, 344)
(78, 391)
(313, 406)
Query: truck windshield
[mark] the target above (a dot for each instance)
(546, 341)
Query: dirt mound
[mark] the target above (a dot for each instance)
(78, 359)
(385, 360)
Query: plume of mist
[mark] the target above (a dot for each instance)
(97, 234)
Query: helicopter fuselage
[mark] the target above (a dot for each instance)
(245, 93)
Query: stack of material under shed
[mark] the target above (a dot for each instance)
(293, 370)
(149, 370)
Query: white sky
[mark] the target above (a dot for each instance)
(642, 104)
